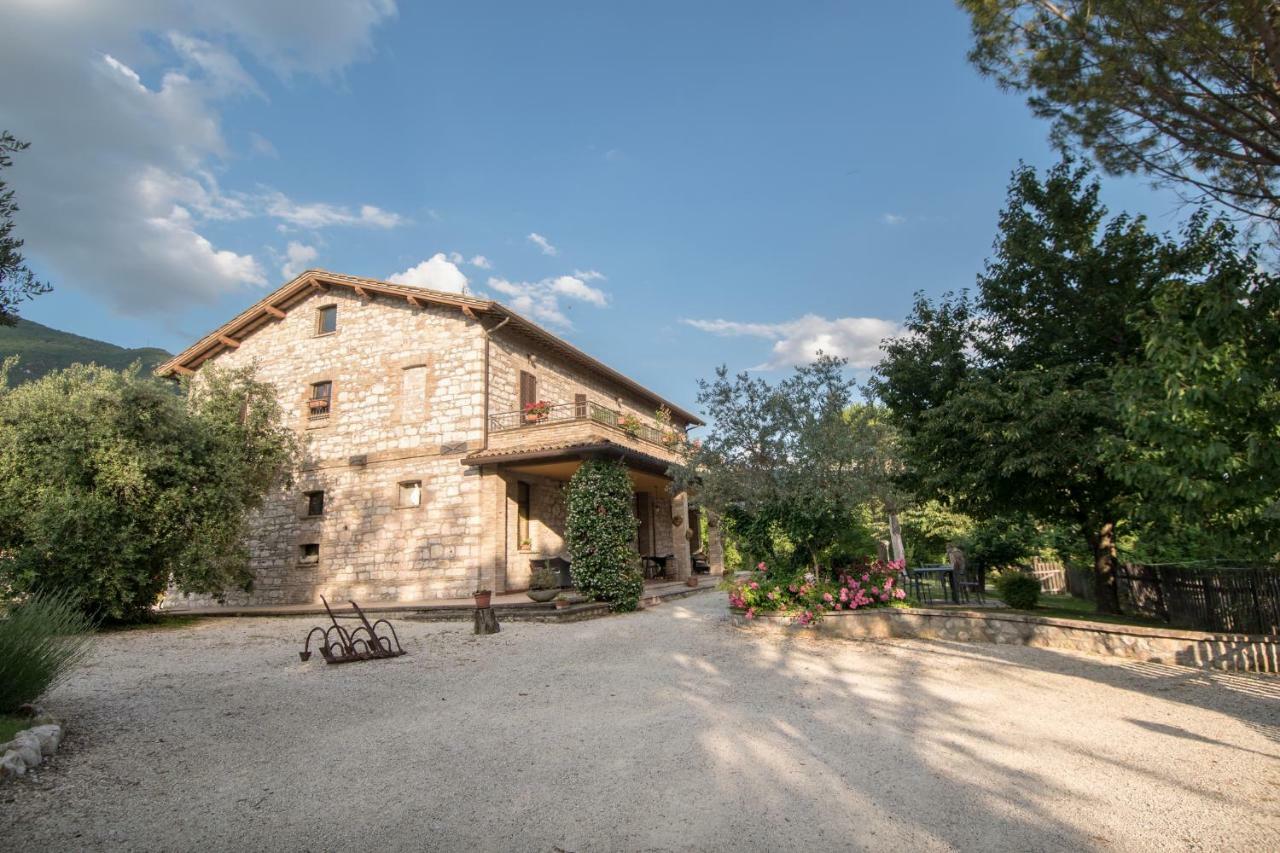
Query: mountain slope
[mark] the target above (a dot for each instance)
(41, 350)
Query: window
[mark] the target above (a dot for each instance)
(522, 516)
(321, 399)
(528, 389)
(411, 493)
(579, 405)
(310, 553)
(315, 503)
(326, 319)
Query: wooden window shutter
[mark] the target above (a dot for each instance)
(579, 405)
(528, 389)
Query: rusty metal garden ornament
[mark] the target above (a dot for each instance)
(338, 645)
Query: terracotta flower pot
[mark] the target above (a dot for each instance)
(692, 580)
(483, 599)
(562, 604)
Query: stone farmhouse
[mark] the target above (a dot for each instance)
(423, 476)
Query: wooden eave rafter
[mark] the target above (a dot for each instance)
(228, 341)
(273, 311)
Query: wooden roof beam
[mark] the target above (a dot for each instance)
(413, 300)
(466, 309)
(185, 371)
(274, 311)
(360, 291)
(228, 342)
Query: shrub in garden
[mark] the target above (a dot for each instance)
(111, 484)
(599, 532)
(1019, 591)
(41, 639)
(807, 597)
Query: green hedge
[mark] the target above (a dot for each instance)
(600, 532)
(1019, 591)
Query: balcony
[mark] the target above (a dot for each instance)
(582, 423)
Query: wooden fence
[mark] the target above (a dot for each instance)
(1052, 576)
(1205, 597)
(1234, 599)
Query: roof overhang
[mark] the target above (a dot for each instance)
(275, 306)
(597, 449)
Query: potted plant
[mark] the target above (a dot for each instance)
(543, 585)
(537, 411)
(483, 598)
(563, 601)
(691, 581)
(630, 424)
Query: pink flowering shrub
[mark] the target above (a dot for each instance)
(808, 597)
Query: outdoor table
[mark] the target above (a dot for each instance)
(658, 565)
(941, 570)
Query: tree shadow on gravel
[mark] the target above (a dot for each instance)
(891, 749)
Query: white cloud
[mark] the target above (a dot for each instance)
(543, 244)
(798, 341)
(297, 258)
(123, 105)
(262, 146)
(541, 299)
(481, 262)
(437, 272)
(324, 215)
(589, 275)
(892, 218)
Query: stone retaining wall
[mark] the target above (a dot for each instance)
(1157, 645)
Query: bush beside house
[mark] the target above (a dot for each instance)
(600, 530)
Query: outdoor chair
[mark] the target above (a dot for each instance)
(965, 583)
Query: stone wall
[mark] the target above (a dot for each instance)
(1155, 645)
(407, 406)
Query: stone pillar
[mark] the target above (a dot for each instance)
(492, 566)
(715, 544)
(680, 535)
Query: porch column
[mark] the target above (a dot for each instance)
(680, 536)
(492, 567)
(715, 544)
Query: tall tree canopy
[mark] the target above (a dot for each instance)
(1186, 90)
(1005, 401)
(1202, 409)
(17, 282)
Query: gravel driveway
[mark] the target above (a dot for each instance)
(662, 730)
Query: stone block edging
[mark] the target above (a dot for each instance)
(30, 747)
(1238, 652)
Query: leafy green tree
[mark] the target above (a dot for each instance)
(111, 484)
(1202, 410)
(1005, 403)
(785, 465)
(17, 282)
(1185, 90)
(600, 532)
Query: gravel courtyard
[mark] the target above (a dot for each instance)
(663, 730)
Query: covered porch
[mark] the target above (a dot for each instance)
(524, 491)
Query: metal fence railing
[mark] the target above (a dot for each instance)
(667, 437)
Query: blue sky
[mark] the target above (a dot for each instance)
(709, 183)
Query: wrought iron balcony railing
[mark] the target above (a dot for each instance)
(587, 411)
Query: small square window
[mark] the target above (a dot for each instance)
(315, 503)
(321, 399)
(326, 319)
(310, 553)
(411, 493)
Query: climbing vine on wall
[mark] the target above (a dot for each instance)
(600, 532)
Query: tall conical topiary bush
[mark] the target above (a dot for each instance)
(600, 532)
